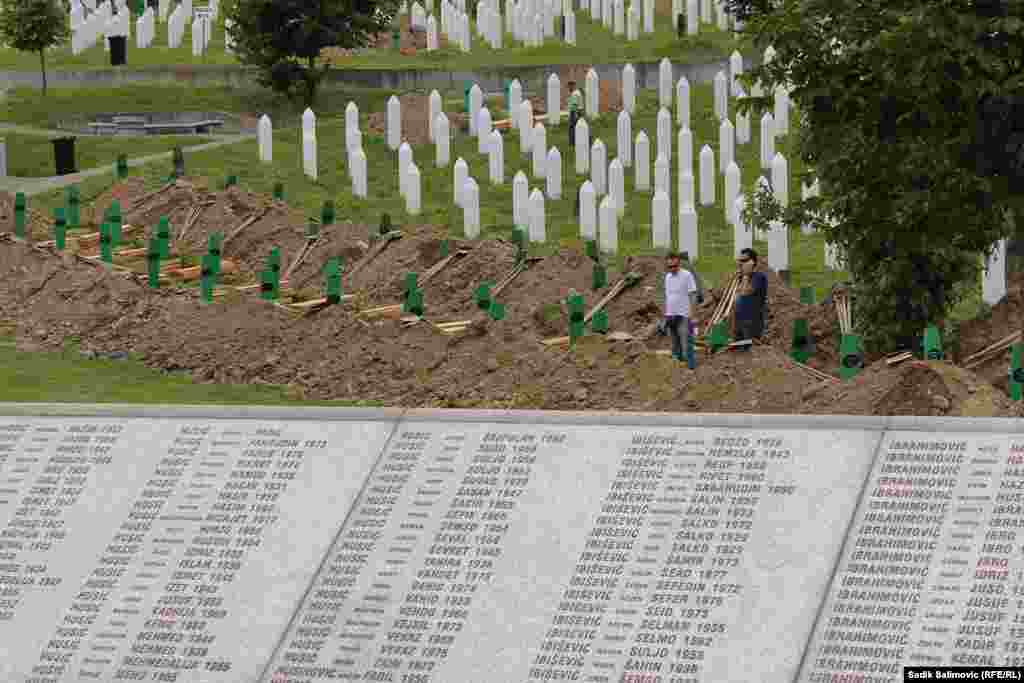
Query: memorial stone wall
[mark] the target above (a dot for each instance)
(279, 546)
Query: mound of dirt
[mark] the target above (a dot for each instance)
(127, 192)
(1005, 318)
(911, 388)
(39, 225)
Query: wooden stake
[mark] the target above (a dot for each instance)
(507, 280)
(137, 205)
(302, 255)
(440, 265)
(998, 346)
(380, 246)
(245, 224)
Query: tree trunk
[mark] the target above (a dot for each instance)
(312, 81)
(42, 65)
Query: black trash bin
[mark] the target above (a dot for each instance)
(118, 50)
(64, 155)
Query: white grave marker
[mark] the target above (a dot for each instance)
(780, 179)
(582, 147)
(442, 141)
(537, 218)
(359, 180)
(592, 94)
(687, 193)
(661, 225)
(617, 185)
(778, 246)
(539, 143)
(707, 176)
(721, 95)
(394, 123)
(688, 239)
(554, 103)
(726, 144)
(743, 236)
(265, 133)
(588, 211)
(683, 102)
(629, 88)
(471, 209)
(661, 174)
(483, 130)
(553, 173)
(624, 146)
(496, 158)
(404, 159)
(767, 141)
(665, 133)
(459, 180)
(732, 190)
(520, 200)
(642, 163)
(609, 239)
(685, 144)
(434, 104)
(665, 83)
(412, 190)
(599, 167)
(993, 283)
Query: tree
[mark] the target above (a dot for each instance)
(912, 119)
(284, 38)
(34, 26)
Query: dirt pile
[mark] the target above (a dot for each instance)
(39, 225)
(1005, 318)
(911, 388)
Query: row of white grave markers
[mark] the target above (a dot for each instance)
(309, 165)
(145, 29)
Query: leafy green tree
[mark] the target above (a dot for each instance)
(284, 38)
(912, 118)
(34, 26)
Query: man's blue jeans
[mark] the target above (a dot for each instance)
(679, 331)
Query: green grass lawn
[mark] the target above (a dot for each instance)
(594, 44)
(31, 156)
(66, 377)
(716, 237)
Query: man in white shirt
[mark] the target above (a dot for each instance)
(680, 300)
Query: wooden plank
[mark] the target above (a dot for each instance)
(441, 265)
(507, 280)
(375, 250)
(995, 348)
(256, 215)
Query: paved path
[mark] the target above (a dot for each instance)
(31, 186)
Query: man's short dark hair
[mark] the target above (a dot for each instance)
(750, 254)
(673, 255)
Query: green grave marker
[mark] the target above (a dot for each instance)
(332, 275)
(73, 201)
(1016, 371)
(719, 337)
(807, 296)
(312, 229)
(599, 323)
(115, 222)
(932, 343)
(414, 302)
(327, 213)
(106, 243)
(508, 97)
(163, 235)
(483, 296)
(599, 278)
(20, 212)
(267, 285)
(60, 227)
(445, 248)
(279, 191)
(409, 284)
(803, 344)
(121, 166)
(519, 239)
(851, 357)
(208, 278)
(590, 247)
(179, 163)
(231, 181)
(396, 40)
(496, 311)
(274, 260)
(575, 303)
(385, 224)
(466, 87)
(213, 249)
(153, 255)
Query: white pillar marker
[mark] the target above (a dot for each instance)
(520, 200)
(553, 173)
(687, 193)
(459, 180)
(412, 195)
(442, 141)
(642, 163)
(665, 133)
(685, 144)
(705, 11)
(993, 282)
(781, 117)
(661, 174)
(471, 209)
(496, 158)
(476, 100)
(404, 159)
(735, 69)
(525, 127)
(633, 22)
(688, 238)
(767, 141)
(619, 10)
(742, 124)
(351, 116)
(309, 164)
(683, 102)
(539, 144)
(665, 83)
(483, 130)
(778, 246)
(554, 103)
(649, 16)
(599, 167)
(609, 239)
(353, 141)
(629, 88)
(359, 183)
(780, 179)
(661, 221)
(588, 211)
(266, 140)
(732, 190)
(624, 140)
(726, 144)
(537, 217)
(707, 176)
(807, 192)
(617, 185)
(691, 17)
(434, 103)
(394, 123)
(743, 237)
(515, 100)
(592, 94)
(582, 147)
(721, 95)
